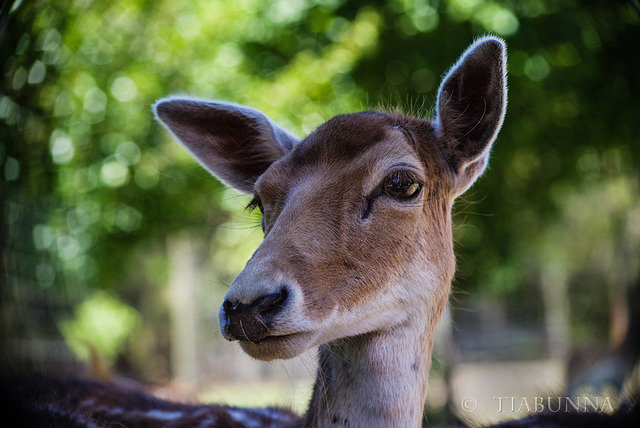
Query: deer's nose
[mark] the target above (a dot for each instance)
(251, 322)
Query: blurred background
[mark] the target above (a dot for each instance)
(114, 240)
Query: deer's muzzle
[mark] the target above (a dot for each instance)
(251, 322)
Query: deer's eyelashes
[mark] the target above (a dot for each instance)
(255, 203)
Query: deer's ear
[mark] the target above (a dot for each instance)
(471, 105)
(235, 143)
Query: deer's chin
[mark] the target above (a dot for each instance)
(279, 347)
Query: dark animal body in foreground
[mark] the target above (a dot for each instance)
(79, 403)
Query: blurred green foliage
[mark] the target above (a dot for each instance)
(92, 188)
(103, 322)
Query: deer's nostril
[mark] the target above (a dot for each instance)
(271, 304)
(227, 305)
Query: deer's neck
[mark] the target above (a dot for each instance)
(380, 379)
(374, 380)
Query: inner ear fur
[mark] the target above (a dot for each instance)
(235, 143)
(471, 105)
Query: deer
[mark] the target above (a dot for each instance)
(357, 256)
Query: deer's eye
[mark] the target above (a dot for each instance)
(401, 185)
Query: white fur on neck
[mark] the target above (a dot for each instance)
(380, 379)
(374, 380)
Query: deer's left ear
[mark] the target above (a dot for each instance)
(471, 105)
(235, 143)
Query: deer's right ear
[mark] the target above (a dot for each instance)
(471, 105)
(235, 143)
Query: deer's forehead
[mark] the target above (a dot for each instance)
(343, 138)
(361, 145)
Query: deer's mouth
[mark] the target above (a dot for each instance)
(280, 338)
(281, 347)
(266, 339)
